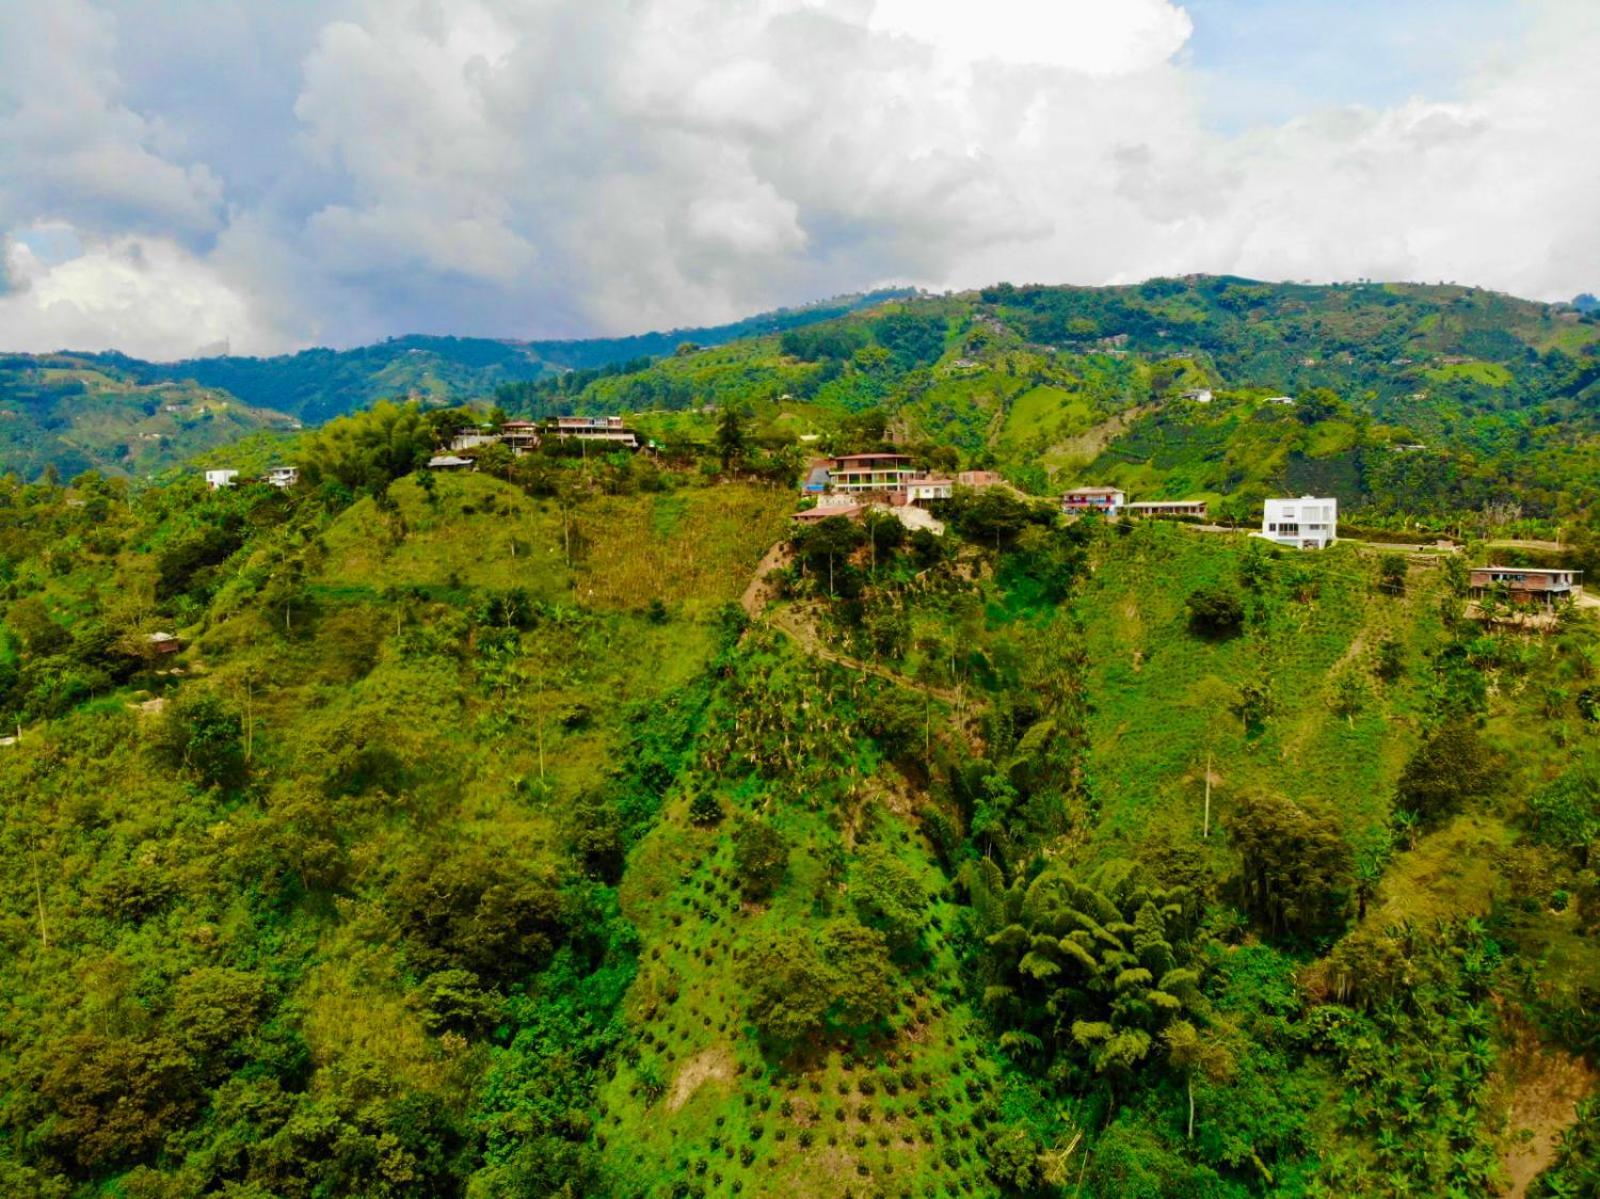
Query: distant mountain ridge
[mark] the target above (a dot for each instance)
(318, 384)
(111, 412)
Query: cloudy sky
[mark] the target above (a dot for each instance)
(177, 176)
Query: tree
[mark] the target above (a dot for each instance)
(760, 858)
(1090, 969)
(1449, 768)
(1392, 570)
(1192, 1051)
(1391, 660)
(203, 735)
(888, 897)
(860, 992)
(1566, 813)
(730, 436)
(1297, 867)
(1215, 611)
(799, 986)
(820, 545)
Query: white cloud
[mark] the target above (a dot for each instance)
(1081, 35)
(563, 167)
(144, 296)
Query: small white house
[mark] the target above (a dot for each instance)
(216, 480)
(1308, 523)
(1283, 401)
(921, 490)
(1198, 395)
(282, 476)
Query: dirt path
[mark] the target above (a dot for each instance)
(792, 624)
(806, 637)
(759, 593)
(1544, 1104)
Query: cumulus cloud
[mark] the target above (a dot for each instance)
(567, 167)
(141, 292)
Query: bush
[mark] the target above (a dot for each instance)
(202, 735)
(1450, 767)
(760, 858)
(1215, 611)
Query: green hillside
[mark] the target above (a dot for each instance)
(75, 413)
(1415, 404)
(576, 827)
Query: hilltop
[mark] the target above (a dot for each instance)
(1432, 403)
(477, 841)
(1410, 401)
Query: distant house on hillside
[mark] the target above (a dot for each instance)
(608, 429)
(855, 473)
(832, 504)
(979, 479)
(920, 491)
(1308, 523)
(1526, 585)
(1195, 508)
(216, 480)
(520, 436)
(471, 439)
(282, 476)
(1199, 395)
(163, 643)
(1286, 401)
(1106, 500)
(450, 462)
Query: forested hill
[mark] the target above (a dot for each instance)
(1406, 401)
(491, 836)
(72, 412)
(316, 385)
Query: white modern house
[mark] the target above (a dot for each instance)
(216, 480)
(1308, 523)
(282, 476)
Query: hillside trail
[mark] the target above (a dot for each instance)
(803, 633)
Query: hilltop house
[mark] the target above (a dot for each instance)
(216, 480)
(979, 479)
(920, 491)
(1200, 395)
(855, 473)
(1195, 508)
(608, 429)
(1308, 523)
(1526, 585)
(282, 476)
(520, 436)
(450, 462)
(1108, 501)
(1285, 401)
(471, 439)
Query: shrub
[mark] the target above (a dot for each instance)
(1215, 611)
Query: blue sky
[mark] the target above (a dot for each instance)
(1269, 61)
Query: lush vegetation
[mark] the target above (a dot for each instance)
(515, 833)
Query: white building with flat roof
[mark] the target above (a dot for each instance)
(1308, 523)
(216, 480)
